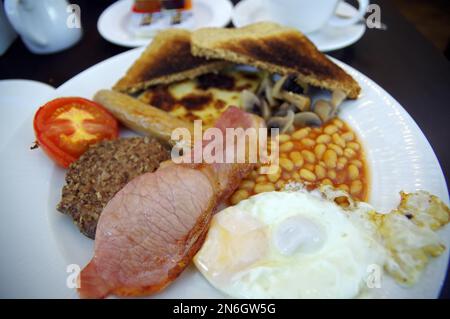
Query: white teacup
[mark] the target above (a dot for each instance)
(310, 15)
(45, 25)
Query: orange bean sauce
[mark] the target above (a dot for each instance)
(327, 155)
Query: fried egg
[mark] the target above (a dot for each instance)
(300, 244)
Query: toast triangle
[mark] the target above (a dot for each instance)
(277, 49)
(167, 59)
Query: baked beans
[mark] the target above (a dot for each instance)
(327, 155)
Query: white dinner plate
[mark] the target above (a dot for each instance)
(17, 102)
(326, 39)
(30, 264)
(398, 154)
(113, 22)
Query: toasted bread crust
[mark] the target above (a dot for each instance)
(276, 49)
(167, 59)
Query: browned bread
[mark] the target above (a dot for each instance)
(277, 49)
(167, 59)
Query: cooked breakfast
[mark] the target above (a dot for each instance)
(303, 230)
(101, 172)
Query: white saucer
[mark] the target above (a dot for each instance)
(113, 22)
(327, 39)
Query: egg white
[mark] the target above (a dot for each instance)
(290, 245)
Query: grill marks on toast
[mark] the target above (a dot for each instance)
(276, 49)
(166, 60)
(174, 56)
(281, 52)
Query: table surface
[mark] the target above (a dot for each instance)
(399, 59)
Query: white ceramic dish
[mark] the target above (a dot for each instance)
(16, 107)
(113, 22)
(399, 156)
(327, 39)
(30, 268)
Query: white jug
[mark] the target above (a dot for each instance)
(46, 26)
(7, 33)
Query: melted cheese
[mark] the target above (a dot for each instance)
(198, 99)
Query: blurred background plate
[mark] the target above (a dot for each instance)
(113, 22)
(327, 39)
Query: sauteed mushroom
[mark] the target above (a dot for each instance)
(327, 110)
(265, 110)
(250, 102)
(302, 102)
(307, 119)
(284, 123)
(266, 80)
(338, 97)
(324, 109)
(270, 98)
(278, 87)
(283, 103)
(284, 108)
(265, 89)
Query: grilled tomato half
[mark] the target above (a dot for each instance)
(66, 127)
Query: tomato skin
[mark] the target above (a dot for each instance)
(58, 156)
(50, 129)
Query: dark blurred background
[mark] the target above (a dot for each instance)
(431, 18)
